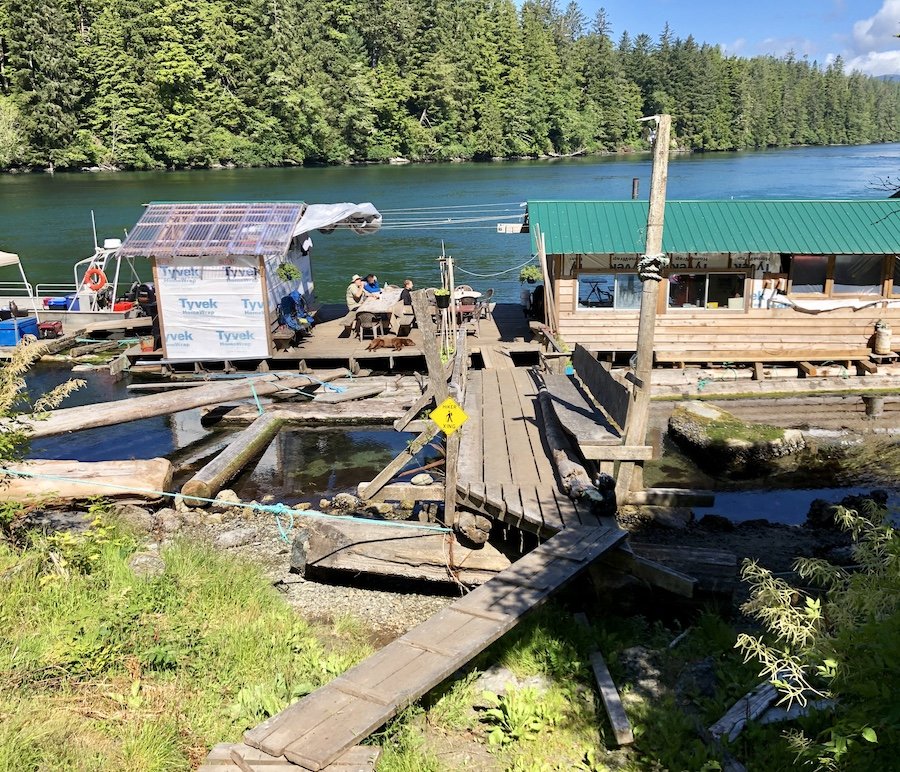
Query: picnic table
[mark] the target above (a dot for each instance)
(381, 304)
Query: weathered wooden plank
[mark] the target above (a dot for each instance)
(748, 708)
(611, 700)
(358, 392)
(401, 460)
(470, 466)
(616, 452)
(577, 414)
(383, 549)
(611, 395)
(521, 455)
(496, 452)
(360, 758)
(406, 493)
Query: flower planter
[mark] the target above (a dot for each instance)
(442, 301)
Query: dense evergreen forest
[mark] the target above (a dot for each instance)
(144, 84)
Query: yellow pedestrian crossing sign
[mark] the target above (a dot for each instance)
(449, 416)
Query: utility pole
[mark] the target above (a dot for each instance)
(650, 268)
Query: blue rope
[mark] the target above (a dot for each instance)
(275, 509)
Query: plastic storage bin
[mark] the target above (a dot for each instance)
(12, 330)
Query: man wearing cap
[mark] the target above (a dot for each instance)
(355, 292)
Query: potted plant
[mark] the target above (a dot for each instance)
(442, 298)
(288, 272)
(531, 274)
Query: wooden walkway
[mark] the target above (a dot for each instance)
(318, 729)
(505, 472)
(504, 469)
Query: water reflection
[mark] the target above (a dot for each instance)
(305, 464)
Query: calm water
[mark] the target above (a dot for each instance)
(47, 219)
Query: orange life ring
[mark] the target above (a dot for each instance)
(95, 279)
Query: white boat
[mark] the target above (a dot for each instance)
(102, 290)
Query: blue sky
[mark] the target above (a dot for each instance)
(862, 31)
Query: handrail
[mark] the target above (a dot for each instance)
(16, 287)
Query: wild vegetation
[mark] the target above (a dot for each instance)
(143, 84)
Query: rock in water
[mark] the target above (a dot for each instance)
(718, 441)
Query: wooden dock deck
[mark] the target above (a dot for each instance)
(505, 470)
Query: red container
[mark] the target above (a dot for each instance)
(123, 305)
(49, 329)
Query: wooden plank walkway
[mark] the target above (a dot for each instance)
(505, 470)
(315, 731)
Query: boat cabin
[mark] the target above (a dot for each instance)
(747, 281)
(218, 272)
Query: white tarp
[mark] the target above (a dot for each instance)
(8, 258)
(212, 308)
(362, 218)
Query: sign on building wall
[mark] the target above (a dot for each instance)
(212, 308)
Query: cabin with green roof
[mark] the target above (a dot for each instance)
(747, 281)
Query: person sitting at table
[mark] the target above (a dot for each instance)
(355, 292)
(406, 292)
(371, 285)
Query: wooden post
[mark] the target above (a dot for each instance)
(228, 464)
(437, 380)
(451, 451)
(631, 474)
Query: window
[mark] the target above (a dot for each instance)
(895, 289)
(609, 290)
(857, 274)
(705, 290)
(808, 274)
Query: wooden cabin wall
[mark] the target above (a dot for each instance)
(727, 335)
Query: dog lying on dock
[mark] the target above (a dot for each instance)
(396, 344)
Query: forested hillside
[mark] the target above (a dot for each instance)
(162, 83)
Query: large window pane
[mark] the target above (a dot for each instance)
(628, 291)
(857, 274)
(596, 290)
(687, 290)
(808, 273)
(723, 287)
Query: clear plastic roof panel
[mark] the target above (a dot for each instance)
(213, 229)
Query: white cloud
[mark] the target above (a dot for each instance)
(735, 47)
(874, 49)
(875, 63)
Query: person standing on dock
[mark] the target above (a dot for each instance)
(355, 292)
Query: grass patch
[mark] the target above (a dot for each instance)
(103, 670)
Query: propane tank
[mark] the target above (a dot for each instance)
(882, 338)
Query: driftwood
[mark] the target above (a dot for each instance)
(112, 413)
(228, 464)
(390, 550)
(357, 392)
(87, 479)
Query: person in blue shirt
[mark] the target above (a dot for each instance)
(371, 284)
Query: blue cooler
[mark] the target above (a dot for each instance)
(12, 330)
(56, 304)
(72, 302)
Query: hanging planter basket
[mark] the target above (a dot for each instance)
(442, 301)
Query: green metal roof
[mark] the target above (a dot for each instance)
(859, 227)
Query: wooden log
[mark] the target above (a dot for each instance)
(385, 549)
(76, 480)
(574, 476)
(113, 413)
(228, 464)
